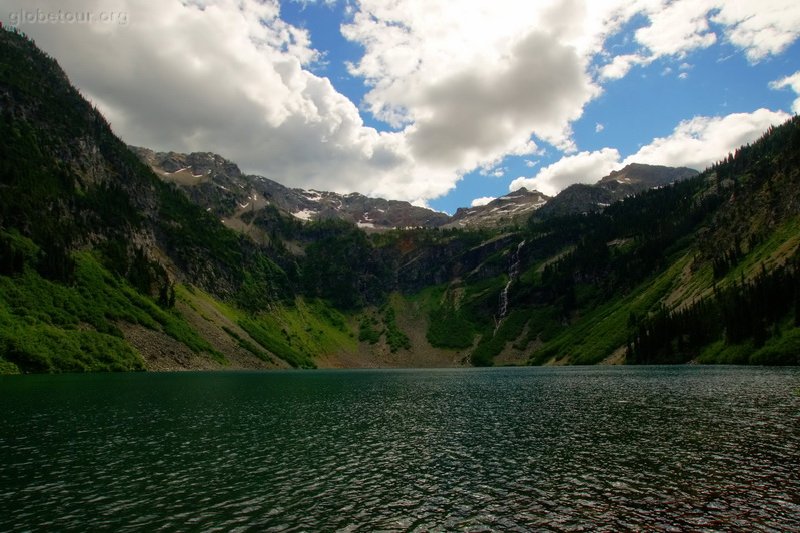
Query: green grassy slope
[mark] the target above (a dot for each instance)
(47, 326)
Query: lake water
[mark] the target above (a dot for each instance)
(552, 449)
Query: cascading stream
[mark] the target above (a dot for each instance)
(513, 273)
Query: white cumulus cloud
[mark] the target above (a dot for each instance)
(792, 82)
(482, 201)
(583, 167)
(678, 27)
(762, 28)
(462, 84)
(621, 65)
(701, 141)
(469, 81)
(230, 76)
(696, 143)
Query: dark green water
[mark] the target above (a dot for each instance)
(611, 449)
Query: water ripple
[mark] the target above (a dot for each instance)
(629, 449)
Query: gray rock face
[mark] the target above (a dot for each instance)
(578, 198)
(507, 210)
(220, 186)
(448, 260)
(637, 177)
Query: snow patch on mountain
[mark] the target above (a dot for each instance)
(305, 214)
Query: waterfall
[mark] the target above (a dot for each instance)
(513, 273)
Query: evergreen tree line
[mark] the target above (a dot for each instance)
(625, 244)
(776, 151)
(745, 312)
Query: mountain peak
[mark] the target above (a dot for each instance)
(219, 186)
(631, 179)
(510, 209)
(647, 176)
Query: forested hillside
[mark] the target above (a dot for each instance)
(105, 266)
(90, 238)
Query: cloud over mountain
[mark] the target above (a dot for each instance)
(460, 85)
(695, 143)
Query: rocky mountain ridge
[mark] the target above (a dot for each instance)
(507, 210)
(219, 186)
(632, 179)
(222, 188)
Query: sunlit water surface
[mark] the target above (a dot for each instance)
(568, 449)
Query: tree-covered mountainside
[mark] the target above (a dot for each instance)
(105, 265)
(702, 270)
(76, 200)
(633, 178)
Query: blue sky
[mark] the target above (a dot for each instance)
(647, 103)
(438, 102)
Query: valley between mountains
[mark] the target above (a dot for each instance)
(118, 258)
